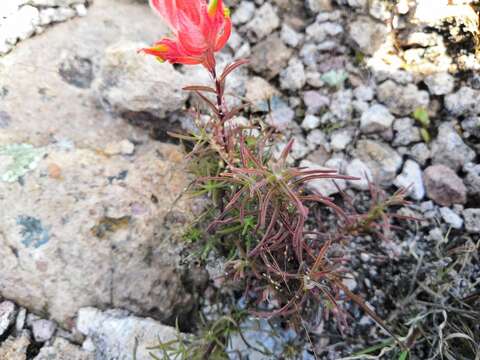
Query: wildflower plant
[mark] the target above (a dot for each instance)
(262, 209)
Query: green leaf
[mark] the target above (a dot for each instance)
(425, 135)
(421, 115)
(374, 348)
(403, 355)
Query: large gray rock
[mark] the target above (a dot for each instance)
(136, 83)
(115, 334)
(80, 227)
(84, 229)
(56, 101)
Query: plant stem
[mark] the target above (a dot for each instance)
(220, 107)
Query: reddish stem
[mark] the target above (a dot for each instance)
(220, 107)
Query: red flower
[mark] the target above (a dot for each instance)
(199, 31)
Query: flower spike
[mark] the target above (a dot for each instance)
(199, 30)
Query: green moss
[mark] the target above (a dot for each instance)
(23, 158)
(334, 78)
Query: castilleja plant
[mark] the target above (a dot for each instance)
(262, 206)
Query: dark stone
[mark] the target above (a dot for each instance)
(32, 231)
(5, 119)
(77, 71)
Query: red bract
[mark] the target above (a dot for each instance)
(199, 30)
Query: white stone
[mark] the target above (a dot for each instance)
(319, 32)
(317, 137)
(463, 102)
(310, 122)
(402, 100)
(359, 169)
(472, 220)
(80, 9)
(452, 219)
(440, 83)
(43, 330)
(411, 177)
(362, 4)
(61, 349)
(7, 315)
(290, 36)
(20, 25)
(123, 147)
(317, 6)
(20, 321)
(341, 105)
(379, 10)
(364, 93)
(56, 3)
(265, 21)
(376, 119)
(340, 139)
(243, 13)
(293, 77)
(368, 34)
(120, 335)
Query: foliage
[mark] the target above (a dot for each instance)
(421, 115)
(261, 213)
(261, 221)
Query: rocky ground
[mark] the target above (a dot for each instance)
(384, 90)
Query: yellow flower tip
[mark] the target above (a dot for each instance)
(226, 13)
(212, 7)
(162, 48)
(159, 59)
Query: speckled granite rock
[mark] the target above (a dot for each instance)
(82, 225)
(15, 348)
(78, 199)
